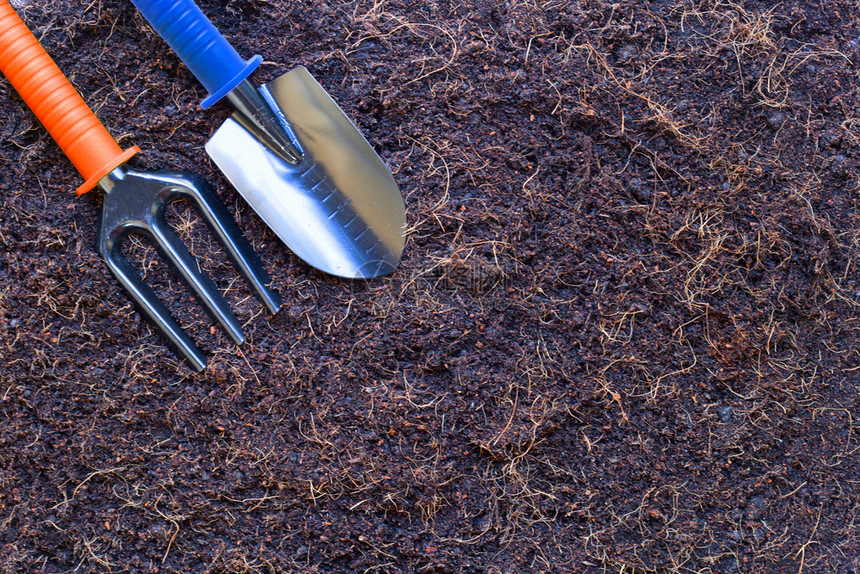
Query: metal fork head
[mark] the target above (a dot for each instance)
(135, 203)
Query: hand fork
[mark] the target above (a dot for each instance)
(134, 201)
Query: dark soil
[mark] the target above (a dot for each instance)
(624, 336)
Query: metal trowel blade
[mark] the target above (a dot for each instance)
(339, 209)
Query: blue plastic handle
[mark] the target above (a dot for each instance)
(199, 44)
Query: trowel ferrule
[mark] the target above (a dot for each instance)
(259, 115)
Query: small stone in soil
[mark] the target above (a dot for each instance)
(775, 121)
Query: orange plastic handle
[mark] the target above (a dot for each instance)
(55, 102)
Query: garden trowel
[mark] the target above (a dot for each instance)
(292, 153)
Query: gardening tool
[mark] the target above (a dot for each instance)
(292, 153)
(134, 201)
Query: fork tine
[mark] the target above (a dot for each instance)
(224, 227)
(149, 303)
(171, 246)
